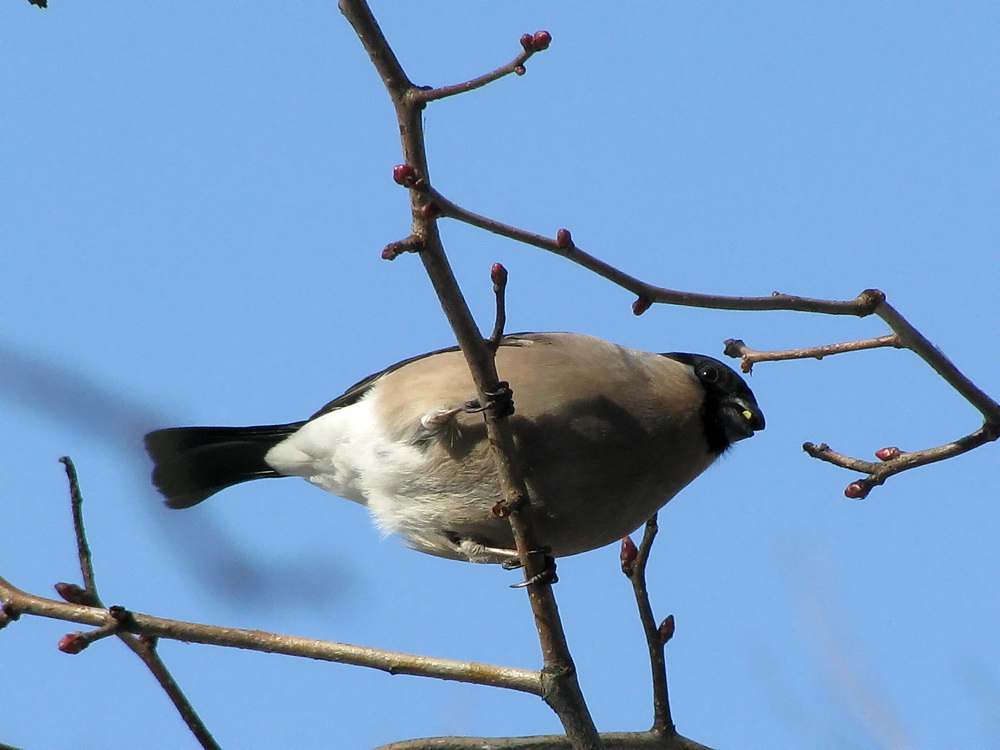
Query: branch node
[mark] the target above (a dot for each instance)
(8, 614)
(869, 300)
(564, 239)
(430, 210)
(123, 618)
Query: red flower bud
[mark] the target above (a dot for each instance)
(72, 643)
(629, 553)
(74, 594)
(541, 40)
(404, 174)
(528, 42)
(564, 238)
(498, 274)
(888, 453)
(854, 490)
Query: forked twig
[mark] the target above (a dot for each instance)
(119, 621)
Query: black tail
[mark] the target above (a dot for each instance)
(193, 463)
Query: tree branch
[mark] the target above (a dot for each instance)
(531, 43)
(612, 741)
(522, 680)
(560, 688)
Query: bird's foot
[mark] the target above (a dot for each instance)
(499, 403)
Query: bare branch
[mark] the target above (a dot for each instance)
(82, 548)
(531, 43)
(737, 349)
(560, 688)
(898, 461)
(120, 622)
(894, 461)
(499, 276)
(523, 680)
(864, 304)
(636, 572)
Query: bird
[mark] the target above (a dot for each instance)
(605, 436)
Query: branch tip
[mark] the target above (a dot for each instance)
(641, 304)
(73, 643)
(430, 210)
(856, 491)
(393, 250)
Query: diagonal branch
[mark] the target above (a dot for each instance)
(560, 687)
(531, 43)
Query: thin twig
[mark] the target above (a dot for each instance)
(749, 357)
(424, 95)
(662, 721)
(82, 547)
(499, 276)
(900, 461)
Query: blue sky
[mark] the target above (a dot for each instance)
(194, 199)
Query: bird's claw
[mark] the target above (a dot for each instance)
(499, 403)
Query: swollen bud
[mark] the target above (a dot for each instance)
(498, 274)
(404, 174)
(629, 553)
(74, 594)
(528, 42)
(667, 628)
(854, 490)
(564, 238)
(888, 453)
(541, 40)
(73, 643)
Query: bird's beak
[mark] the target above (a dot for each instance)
(741, 417)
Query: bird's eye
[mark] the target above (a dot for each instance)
(708, 374)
